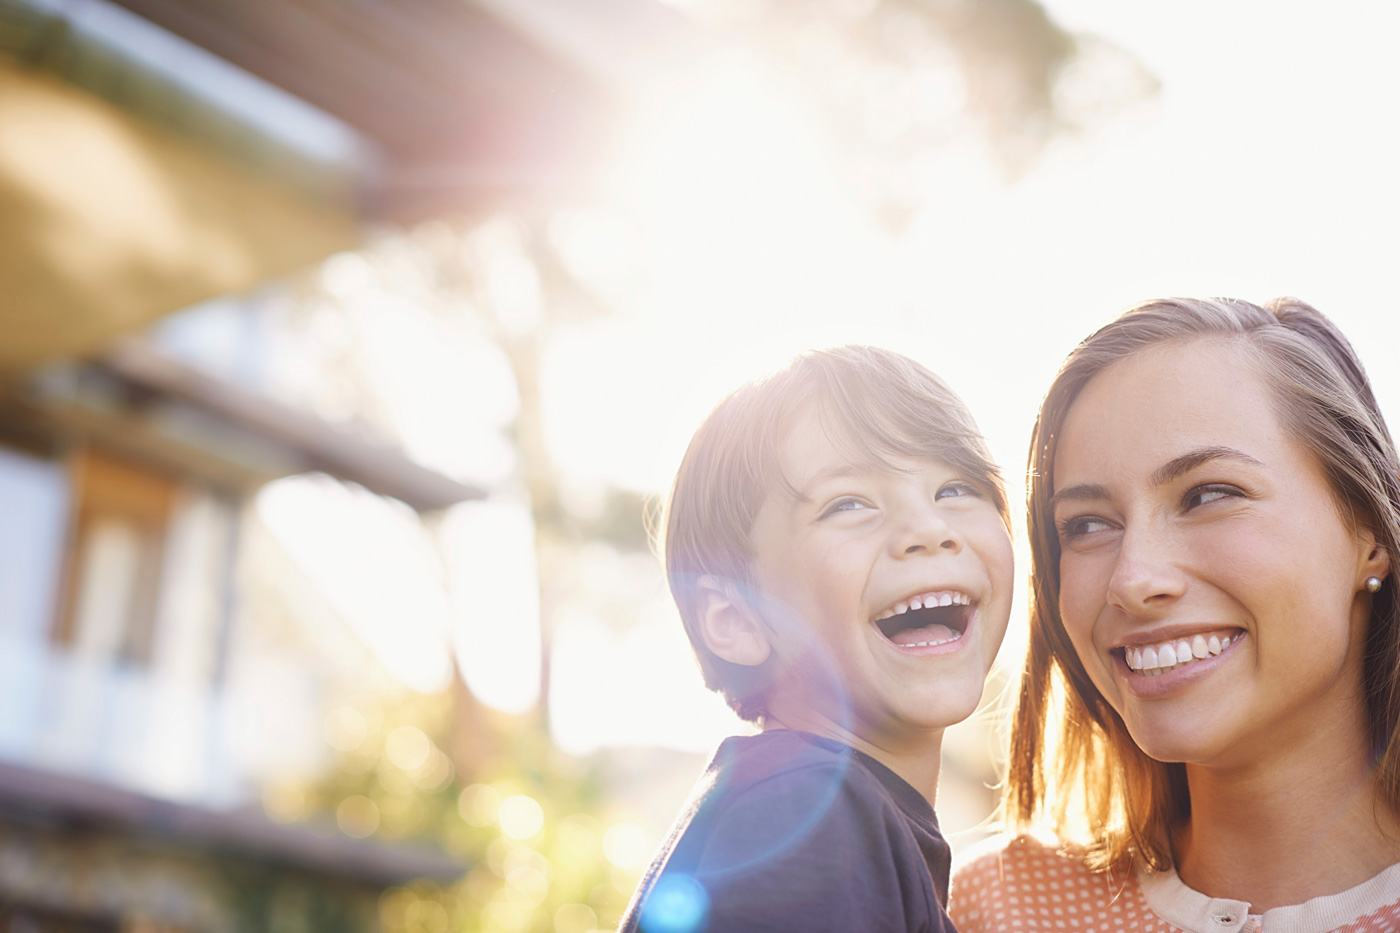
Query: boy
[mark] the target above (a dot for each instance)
(837, 543)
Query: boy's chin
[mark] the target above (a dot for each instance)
(924, 707)
(939, 709)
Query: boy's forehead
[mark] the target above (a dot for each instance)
(818, 443)
(806, 465)
(813, 446)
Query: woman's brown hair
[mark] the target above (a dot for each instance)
(1067, 743)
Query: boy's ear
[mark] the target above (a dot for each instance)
(729, 626)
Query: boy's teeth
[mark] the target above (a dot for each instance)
(1151, 660)
(927, 637)
(927, 601)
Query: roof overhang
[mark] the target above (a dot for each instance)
(125, 196)
(49, 797)
(463, 107)
(136, 400)
(106, 223)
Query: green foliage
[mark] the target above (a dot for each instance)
(269, 899)
(495, 794)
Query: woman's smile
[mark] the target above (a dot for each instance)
(1162, 657)
(1170, 674)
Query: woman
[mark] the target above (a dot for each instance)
(1213, 679)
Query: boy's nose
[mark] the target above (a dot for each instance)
(949, 543)
(925, 530)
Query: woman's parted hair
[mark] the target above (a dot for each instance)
(1105, 785)
(874, 404)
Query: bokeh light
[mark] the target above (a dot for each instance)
(357, 816)
(478, 804)
(408, 748)
(521, 817)
(627, 845)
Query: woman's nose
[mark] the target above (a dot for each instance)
(1145, 578)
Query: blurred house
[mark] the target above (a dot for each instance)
(155, 154)
(128, 780)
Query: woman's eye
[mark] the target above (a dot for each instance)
(1204, 494)
(1081, 525)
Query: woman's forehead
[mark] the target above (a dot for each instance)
(1156, 406)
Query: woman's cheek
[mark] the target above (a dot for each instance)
(1083, 591)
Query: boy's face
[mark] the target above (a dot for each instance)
(851, 557)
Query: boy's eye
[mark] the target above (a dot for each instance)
(957, 488)
(845, 504)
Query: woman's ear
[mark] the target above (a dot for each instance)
(1377, 563)
(729, 625)
(1375, 559)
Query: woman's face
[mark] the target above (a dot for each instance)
(1207, 580)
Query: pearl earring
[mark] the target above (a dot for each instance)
(1373, 584)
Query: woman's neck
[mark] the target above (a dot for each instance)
(1278, 832)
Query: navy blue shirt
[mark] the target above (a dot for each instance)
(789, 831)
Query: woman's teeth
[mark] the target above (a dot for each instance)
(1151, 660)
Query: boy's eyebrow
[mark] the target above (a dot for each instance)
(1171, 470)
(845, 471)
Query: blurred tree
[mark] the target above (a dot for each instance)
(529, 822)
(488, 787)
(900, 81)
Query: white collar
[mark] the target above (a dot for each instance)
(1174, 902)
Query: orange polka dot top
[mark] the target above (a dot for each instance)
(1023, 884)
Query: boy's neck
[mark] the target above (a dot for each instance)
(916, 759)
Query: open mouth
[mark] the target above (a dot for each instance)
(927, 620)
(1173, 654)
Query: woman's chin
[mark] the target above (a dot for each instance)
(1177, 742)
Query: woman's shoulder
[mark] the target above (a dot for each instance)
(1003, 883)
(1015, 858)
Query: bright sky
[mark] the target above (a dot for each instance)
(1264, 167)
(725, 243)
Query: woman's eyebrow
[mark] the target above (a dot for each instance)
(1171, 470)
(1081, 492)
(1180, 466)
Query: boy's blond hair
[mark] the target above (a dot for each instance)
(876, 404)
